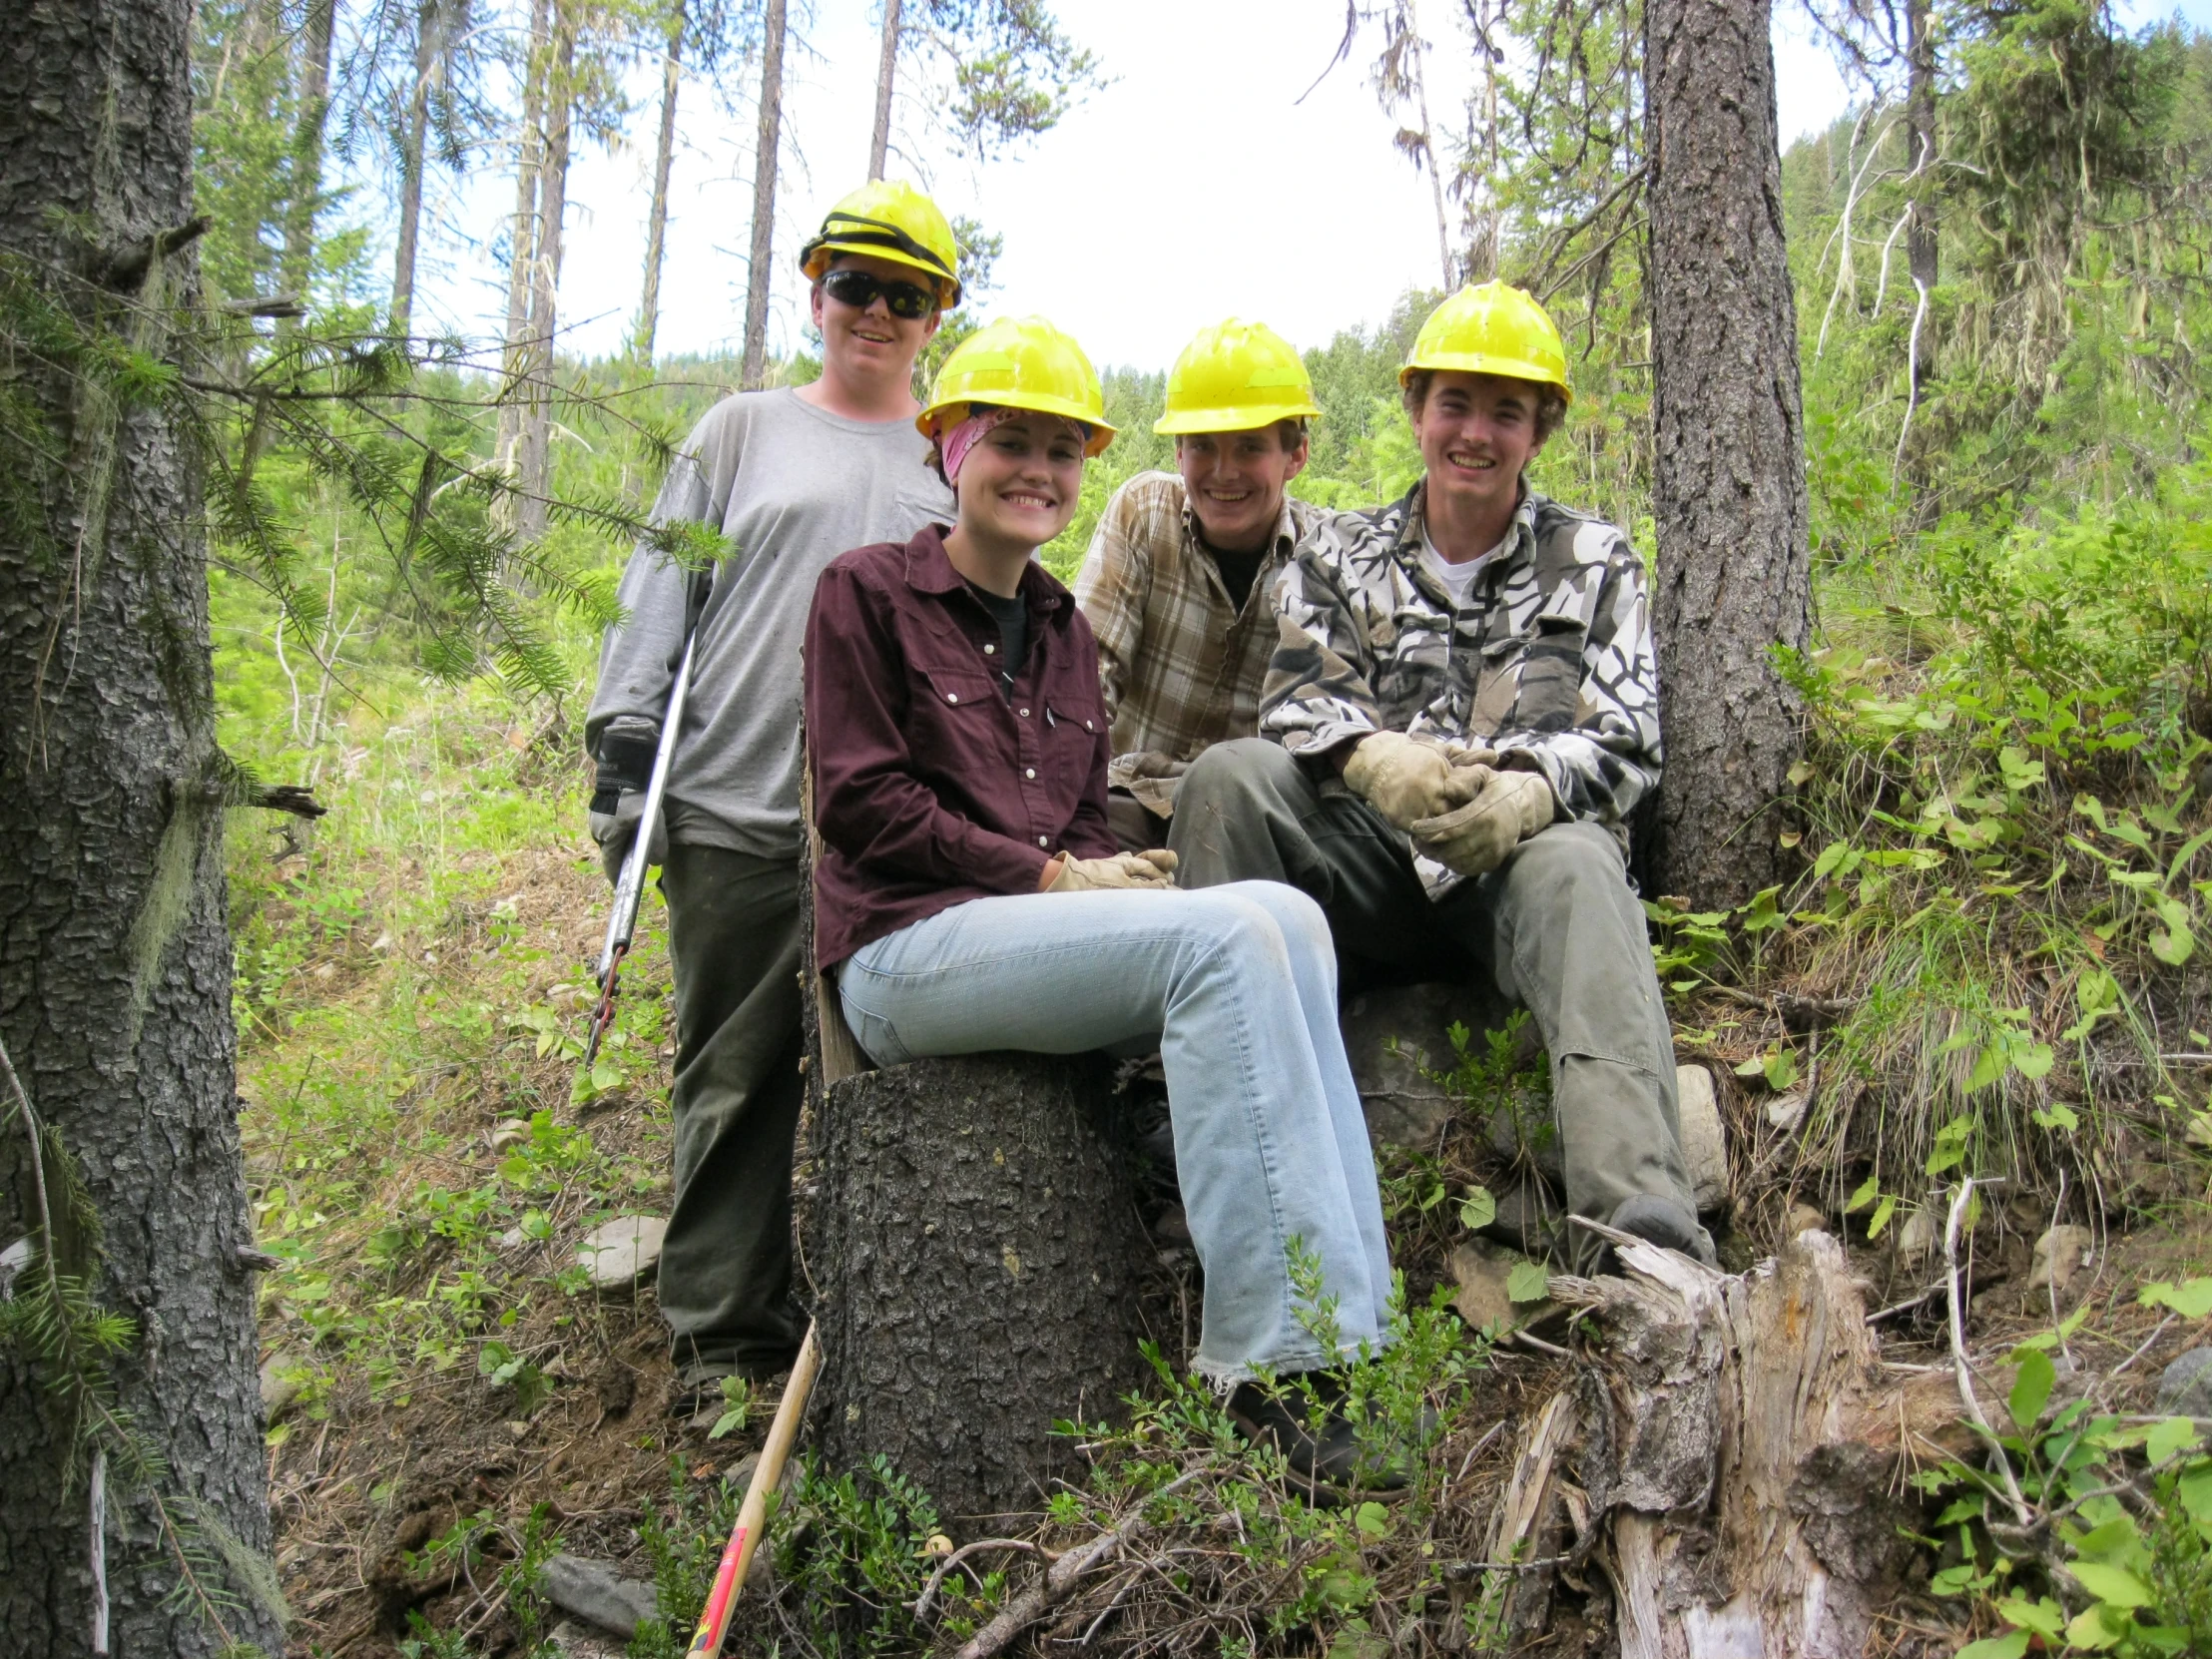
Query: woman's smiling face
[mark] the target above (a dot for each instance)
(1021, 481)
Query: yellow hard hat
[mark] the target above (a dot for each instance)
(1492, 329)
(1236, 376)
(889, 219)
(1019, 362)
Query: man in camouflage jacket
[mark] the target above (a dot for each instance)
(1461, 713)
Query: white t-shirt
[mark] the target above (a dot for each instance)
(1457, 579)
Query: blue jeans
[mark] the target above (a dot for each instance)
(1238, 985)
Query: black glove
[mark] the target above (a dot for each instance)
(624, 769)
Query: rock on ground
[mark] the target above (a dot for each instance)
(1483, 1271)
(2185, 1388)
(1704, 1144)
(594, 1591)
(624, 1254)
(576, 1641)
(2060, 1254)
(283, 1379)
(1394, 1037)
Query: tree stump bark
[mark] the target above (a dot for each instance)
(1727, 1458)
(977, 1254)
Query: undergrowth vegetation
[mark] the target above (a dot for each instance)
(1992, 961)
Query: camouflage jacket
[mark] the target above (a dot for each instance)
(1551, 661)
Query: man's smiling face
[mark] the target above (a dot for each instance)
(1234, 481)
(1477, 432)
(869, 340)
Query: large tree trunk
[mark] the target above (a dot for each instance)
(115, 958)
(413, 149)
(1728, 462)
(533, 456)
(656, 225)
(307, 147)
(886, 76)
(766, 146)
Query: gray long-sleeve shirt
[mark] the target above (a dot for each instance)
(792, 486)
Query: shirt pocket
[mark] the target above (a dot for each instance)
(1551, 673)
(1069, 740)
(954, 729)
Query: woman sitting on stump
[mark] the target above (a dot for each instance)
(970, 896)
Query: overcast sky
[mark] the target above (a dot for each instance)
(1193, 186)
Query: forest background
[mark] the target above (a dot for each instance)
(1999, 254)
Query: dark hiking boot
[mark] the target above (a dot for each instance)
(1327, 1464)
(698, 1399)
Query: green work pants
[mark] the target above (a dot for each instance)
(726, 1265)
(1556, 927)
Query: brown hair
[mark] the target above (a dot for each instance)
(1290, 439)
(1551, 402)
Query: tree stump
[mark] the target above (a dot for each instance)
(1727, 1458)
(977, 1254)
(976, 1257)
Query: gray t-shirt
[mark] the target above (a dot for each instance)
(792, 486)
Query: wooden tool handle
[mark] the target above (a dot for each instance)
(744, 1538)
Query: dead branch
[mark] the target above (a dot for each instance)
(1960, 1363)
(921, 1603)
(1063, 1575)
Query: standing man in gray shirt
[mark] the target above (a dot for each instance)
(792, 478)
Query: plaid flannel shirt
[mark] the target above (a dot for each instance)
(1550, 663)
(1180, 665)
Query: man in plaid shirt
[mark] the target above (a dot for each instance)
(1179, 581)
(1462, 711)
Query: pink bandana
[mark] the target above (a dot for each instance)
(954, 442)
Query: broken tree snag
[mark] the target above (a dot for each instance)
(1740, 1500)
(977, 1254)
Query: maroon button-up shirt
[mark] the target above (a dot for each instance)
(931, 788)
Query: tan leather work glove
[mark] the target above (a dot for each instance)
(1465, 754)
(1152, 871)
(1402, 778)
(1504, 810)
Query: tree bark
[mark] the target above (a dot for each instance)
(1919, 119)
(766, 154)
(656, 225)
(413, 148)
(307, 149)
(115, 956)
(886, 75)
(529, 152)
(977, 1254)
(1728, 462)
(533, 459)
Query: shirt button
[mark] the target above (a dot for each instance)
(1040, 840)
(1029, 772)
(990, 650)
(952, 697)
(1025, 713)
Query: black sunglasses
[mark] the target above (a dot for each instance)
(859, 290)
